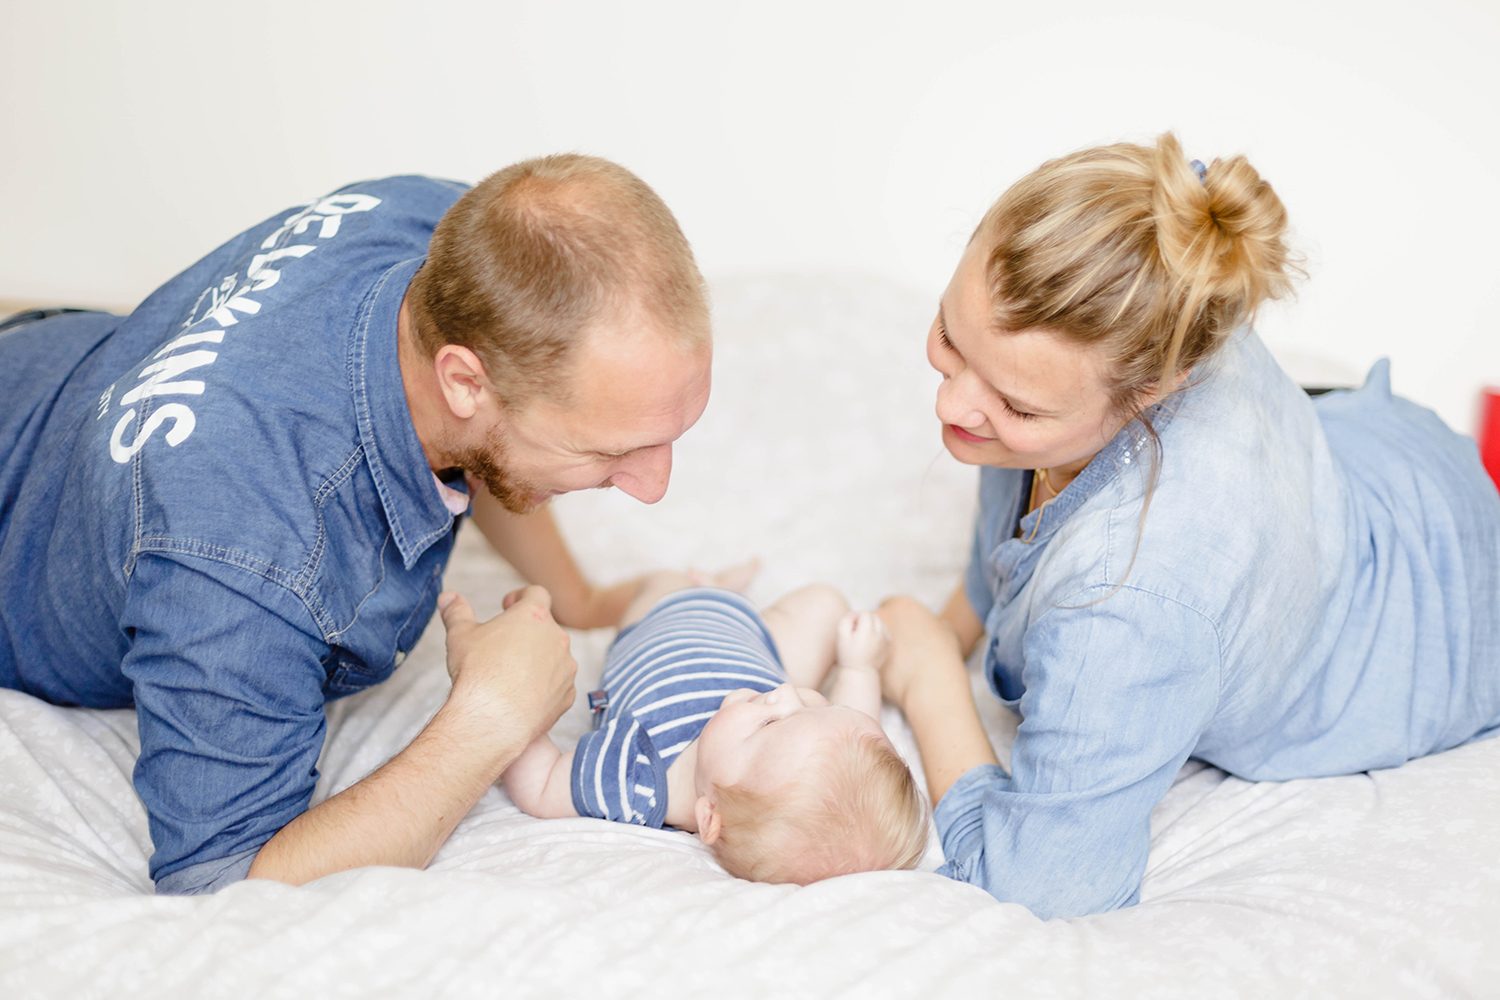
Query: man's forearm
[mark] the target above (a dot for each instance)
(949, 735)
(402, 813)
(534, 546)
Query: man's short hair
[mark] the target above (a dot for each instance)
(528, 259)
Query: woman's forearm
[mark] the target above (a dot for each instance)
(949, 734)
(958, 614)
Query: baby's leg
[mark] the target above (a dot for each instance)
(662, 582)
(653, 588)
(805, 624)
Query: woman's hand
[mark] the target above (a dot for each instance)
(923, 648)
(925, 676)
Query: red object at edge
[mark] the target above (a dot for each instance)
(1489, 434)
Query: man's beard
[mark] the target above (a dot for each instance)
(488, 466)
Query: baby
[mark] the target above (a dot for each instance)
(710, 721)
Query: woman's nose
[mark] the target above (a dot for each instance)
(956, 403)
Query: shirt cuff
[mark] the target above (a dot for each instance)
(207, 876)
(959, 818)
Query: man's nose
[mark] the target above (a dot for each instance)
(645, 474)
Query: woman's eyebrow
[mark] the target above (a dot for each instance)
(1013, 402)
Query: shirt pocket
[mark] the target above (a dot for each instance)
(354, 669)
(1004, 679)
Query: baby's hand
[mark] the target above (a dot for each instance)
(863, 641)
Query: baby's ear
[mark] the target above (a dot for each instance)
(708, 820)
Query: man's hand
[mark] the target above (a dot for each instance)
(516, 665)
(923, 648)
(512, 678)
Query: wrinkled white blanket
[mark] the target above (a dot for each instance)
(820, 454)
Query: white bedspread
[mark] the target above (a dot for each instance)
(819, 453)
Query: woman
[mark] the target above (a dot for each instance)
(1177, 552)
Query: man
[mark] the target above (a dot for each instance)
(237, 502)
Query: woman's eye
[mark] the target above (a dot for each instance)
(943, 338)
(1023, 415)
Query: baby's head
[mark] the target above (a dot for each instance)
(793, 789)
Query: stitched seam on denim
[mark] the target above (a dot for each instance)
(1114, 588)
(340, 633)
(437, 572)
(338, 476)
(308, 574)
(357, 369)
(1109, 532)
(222, 554)
(244, 561)
(136, 517)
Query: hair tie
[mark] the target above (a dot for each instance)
(1200, 170)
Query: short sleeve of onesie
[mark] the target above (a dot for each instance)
(618, 775)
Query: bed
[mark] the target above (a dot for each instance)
(818, 453)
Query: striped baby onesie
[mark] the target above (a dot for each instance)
(665, 677)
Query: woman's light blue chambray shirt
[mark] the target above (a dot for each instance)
(1315, 592)
(217, 509)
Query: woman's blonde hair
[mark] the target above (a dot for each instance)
(1126, 248)
(1136, 251)
(855, 808)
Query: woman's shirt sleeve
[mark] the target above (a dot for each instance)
(1117, 694)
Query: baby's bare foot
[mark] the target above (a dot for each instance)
(863, 640)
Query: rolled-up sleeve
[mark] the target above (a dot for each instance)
(1117, 694)
(229, 702)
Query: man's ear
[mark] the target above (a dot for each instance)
(461, 377)
(707, 815)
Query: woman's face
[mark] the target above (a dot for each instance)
(1022, 400)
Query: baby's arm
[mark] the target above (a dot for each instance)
(540, 780)
(863, 645)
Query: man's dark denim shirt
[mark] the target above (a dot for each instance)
(217, 509)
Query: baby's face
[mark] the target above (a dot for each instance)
(759, 740)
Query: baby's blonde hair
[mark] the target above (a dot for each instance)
(854, 808)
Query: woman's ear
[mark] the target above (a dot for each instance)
(707, 816)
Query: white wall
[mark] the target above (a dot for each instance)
(785, 135)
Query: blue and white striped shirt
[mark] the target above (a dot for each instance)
(666, 676)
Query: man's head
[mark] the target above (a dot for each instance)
(567, 331)
(794, 789)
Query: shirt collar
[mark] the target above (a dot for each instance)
(417, 513)
(1131, 446)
